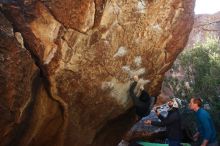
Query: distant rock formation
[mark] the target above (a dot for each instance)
(205, 26)
(66, 65)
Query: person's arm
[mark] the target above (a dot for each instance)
(196, 136)
(205, 142)
(205, 123)
(157, 123)
(169, 119)
(160, 116)
(144, 96)
(154, 123)
(165, 121)
(131, 92)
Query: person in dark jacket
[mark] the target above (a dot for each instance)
(172, 123)
(143, 102)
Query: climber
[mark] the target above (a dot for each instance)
(142, 101)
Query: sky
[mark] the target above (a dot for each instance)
(207, 6)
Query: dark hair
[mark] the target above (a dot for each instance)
(197, 101)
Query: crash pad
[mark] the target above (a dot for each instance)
(158, 144)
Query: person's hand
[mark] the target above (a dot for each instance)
(135, 77)
(155, 108)
(147, 122)
(196, 136)
(157, 112)
(205, 142)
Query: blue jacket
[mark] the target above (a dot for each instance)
(205, 125)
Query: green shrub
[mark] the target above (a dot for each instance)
(201, 66)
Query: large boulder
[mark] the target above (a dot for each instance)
(17, 74)
(87, 51)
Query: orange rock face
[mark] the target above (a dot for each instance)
(17, 73)
(87, 52)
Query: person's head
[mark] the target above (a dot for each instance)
(170, 103)
(195, 103)
(136, 78)
(173, 103)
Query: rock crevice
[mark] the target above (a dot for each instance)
(87, 51)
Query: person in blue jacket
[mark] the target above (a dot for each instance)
(206, 129)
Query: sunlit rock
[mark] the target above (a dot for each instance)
(87, 52)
